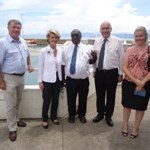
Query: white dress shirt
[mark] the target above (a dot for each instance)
(114, 53)
(49, 65)
(82, 60)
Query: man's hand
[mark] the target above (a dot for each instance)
(94, 74)
(30, 68)
(94, 57)
(2, 85)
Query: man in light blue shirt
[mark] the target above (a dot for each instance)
(14, 61)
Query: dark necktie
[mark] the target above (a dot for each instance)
(101, 56)
(73, 61)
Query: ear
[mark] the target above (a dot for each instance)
(47, 40)
(110, 29)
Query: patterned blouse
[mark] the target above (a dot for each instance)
(137, 63)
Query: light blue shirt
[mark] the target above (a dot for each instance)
(13, 55)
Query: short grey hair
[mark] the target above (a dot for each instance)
(14, 21)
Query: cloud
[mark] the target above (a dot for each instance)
(39, 16)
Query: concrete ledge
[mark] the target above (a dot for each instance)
(31, 104)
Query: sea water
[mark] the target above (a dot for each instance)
(32, 78)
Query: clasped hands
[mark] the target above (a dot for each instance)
(139, 85)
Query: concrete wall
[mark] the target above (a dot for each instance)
(31, 104)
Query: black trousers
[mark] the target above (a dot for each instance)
(50, 95)
(76, 87)
(105, 84)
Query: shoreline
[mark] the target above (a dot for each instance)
(41, 42)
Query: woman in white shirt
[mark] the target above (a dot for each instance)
(50, 76)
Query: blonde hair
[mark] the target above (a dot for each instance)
(52, 31)
(143, 29)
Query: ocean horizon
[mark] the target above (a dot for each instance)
(85, 35)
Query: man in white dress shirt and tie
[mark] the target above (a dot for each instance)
(107, 72)
(77, 57)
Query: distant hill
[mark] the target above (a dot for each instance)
(85, 35)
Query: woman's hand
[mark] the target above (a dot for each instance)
(41, 86)
(138, 88)
(140, 84)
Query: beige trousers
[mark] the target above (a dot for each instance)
(13, 96)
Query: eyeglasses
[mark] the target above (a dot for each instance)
(75, 35)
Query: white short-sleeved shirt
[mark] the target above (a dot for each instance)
(82, 60)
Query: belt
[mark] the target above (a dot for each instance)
(15, 74)
(105, 70)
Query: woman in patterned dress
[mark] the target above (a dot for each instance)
(136, 80)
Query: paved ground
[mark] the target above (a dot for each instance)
(89, 136)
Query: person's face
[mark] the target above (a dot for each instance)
(139, 37)
(76, 37)
(105, 30)
(53, 39)
(14, 30)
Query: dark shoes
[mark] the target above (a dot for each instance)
(21, 124)
(109, 121)
(45, 125)
(82, 119)
(98, 118)
(56, 121)
(71, 119)
(12, 135)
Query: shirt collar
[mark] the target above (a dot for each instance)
(108, 39)
(77, 45)
(10, 39)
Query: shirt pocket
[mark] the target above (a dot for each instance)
(13, 53)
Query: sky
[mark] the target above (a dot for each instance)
(38, 16)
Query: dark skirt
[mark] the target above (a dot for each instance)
(132, 101)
